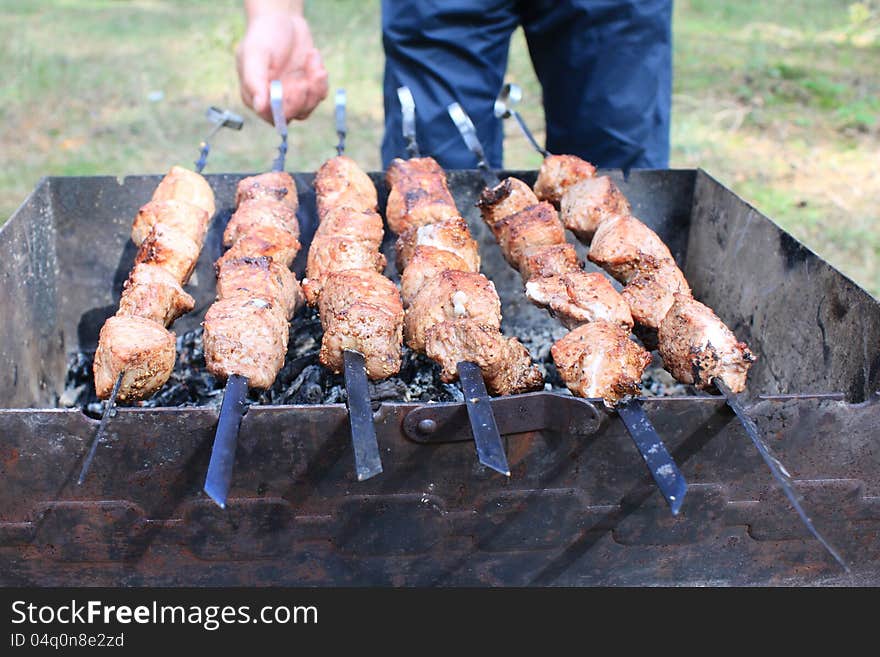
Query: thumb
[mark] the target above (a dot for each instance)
(256, 77)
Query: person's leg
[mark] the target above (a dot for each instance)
(606, 71)
(445, 51)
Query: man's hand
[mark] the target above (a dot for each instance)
(278, 45)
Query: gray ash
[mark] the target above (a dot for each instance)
(303, 380)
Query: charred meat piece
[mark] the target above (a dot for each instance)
(170, 249)
(189, 219)
(247, 336)
(578, 298)
(508, 197)
(340, 182)
(364, 225)
(153, 293)
(426, 263)
(333, 254)
(451, 295)
(261, 278)
(269, 241)
(553, 260)
(598, 360)
(650, 293)
(141, 348)
(537, 225)
(361, 310)
(275, 186)
(450, 234)
(181, 184)
(623, 245)
(419, 194)
(558, 173)
(505, 363)
(697, 347)
(259, 212)
(588, 203)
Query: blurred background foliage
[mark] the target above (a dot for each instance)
(779, 100)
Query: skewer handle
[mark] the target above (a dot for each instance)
(469, 133)
(368, 462)
(340, 121)
(487, 438)
(510, 96)
(232, 410)
(408, 113)
(776, 468)
(221, 119)
(276, 98)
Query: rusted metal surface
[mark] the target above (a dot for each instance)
(579, 507)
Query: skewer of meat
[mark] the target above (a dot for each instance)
(453, 313)
(361, 312)
(136, 351)
(696, 346)
(246, 330)
(597, 358)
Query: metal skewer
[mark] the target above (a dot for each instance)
(487, 438)
(779, 472)
(510, 96)
(221, 119)
(109, 411)
(367, 461)
(234, 406)
(662, 466)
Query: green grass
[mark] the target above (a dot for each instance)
(780, 101)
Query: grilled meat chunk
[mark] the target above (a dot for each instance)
(579, 297)
(536, 225)
(451, 295)
(623, 244)
(508, 197)
(558, 173)
(650, 293)
(269, 241)
(340, 183)
(419, 194)
(153, 293)
(426, 263)
(261, 278)
(598, 360)
(275, 186)
(505, 363)
(334, 254)
(138, 346)
(189, 219)
(553, 260)
(588, 203)
(181, 184)
(451, 234)
(697, 347)
(259, 212)
(364, 225)
(247, 336)
(361, 310)
(170, 249)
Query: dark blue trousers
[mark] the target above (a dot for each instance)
(605, 67)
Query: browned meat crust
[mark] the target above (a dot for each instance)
(697, 347)
(598, 360)
(153, 293)
(558, 173)
(276, 186)
(138, 346)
